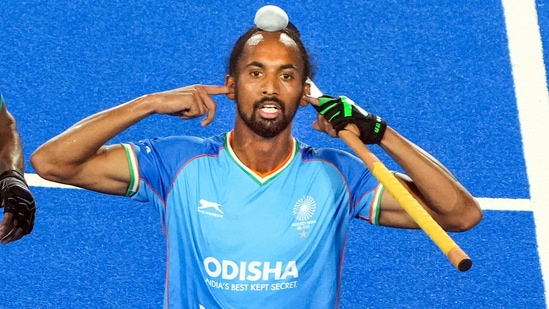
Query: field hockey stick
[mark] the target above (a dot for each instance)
(423, 219)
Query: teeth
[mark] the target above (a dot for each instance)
(269, 109)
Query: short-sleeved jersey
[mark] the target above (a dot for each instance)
(239, 240)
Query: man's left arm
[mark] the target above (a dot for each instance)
(432, 184)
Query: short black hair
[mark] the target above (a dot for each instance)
(290, 30)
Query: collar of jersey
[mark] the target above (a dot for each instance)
(260, 179)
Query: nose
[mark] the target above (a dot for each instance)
(270, 85)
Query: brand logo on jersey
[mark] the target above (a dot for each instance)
(250, 271)
(304, 208)
(210, 208)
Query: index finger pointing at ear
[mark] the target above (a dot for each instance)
(214, 89)
(314, 93)
(310, 99)
(205, 93)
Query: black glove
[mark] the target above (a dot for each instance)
(17, 199)
(341, 111)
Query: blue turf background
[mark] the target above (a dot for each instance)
(437, 71)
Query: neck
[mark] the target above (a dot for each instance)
(261, 154)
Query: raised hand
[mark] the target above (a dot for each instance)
(189, 102)
(344, 114)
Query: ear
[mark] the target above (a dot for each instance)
(306, 92)
(307, 89)
(230, 83)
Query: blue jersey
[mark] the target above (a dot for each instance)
(239, 240)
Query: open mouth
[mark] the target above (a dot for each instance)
(269, 108)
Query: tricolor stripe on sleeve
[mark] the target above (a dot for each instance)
(375, 207)
(134, 170)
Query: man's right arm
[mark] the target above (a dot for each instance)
(80, 157)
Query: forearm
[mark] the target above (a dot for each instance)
(11, 153)
(440, 190)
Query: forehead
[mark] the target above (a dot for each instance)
(271, 45)
(273, 37)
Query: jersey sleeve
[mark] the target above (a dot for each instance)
(134, 170)
(155, 163)
(147, 180)
(365, 190)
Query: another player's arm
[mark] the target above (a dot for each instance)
(11, 154)
(18, 203)
(80, 157)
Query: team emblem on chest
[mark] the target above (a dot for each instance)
(304, 209)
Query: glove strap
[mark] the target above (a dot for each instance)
(13, 173)
(20, 204)
(341, 111)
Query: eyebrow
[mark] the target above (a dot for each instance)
(261, 65)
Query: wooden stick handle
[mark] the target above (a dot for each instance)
(425, 221)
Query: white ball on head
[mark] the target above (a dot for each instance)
(271, 18)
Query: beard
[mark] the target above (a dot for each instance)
(267, 128)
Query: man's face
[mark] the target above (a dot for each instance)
(268, 83)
